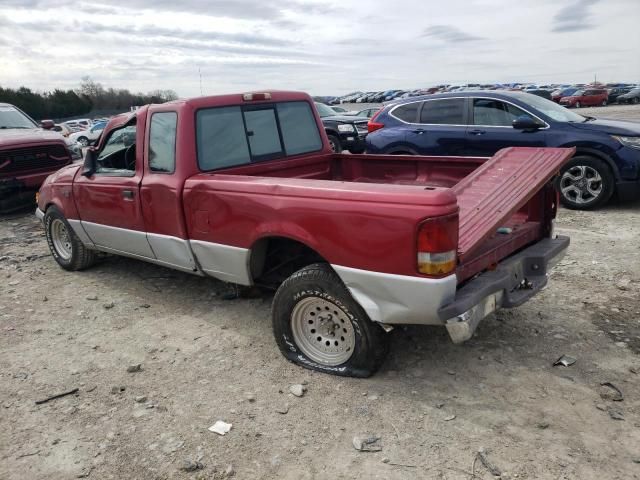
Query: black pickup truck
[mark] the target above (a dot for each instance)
(344, 132)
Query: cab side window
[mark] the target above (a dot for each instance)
(494, 113)
(162, 142)
(118, 155)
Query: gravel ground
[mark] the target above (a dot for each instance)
(203, 359)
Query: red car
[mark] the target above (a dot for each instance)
(586, 98)
(245, 188)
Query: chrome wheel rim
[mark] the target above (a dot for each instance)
(61, 239)
(581, 184)
(334, 147)
(84, 142)
(323, 331)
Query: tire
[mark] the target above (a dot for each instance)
(585, 183)
(635, 100)
(334, 141)
(84, 141)
(604, 103)
(578, 105)
(65, 246)
(316, 297)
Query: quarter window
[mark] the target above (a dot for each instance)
(448, 111)
(408, 112)
(162, 142)
(494, 113)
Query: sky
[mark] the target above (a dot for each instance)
(322, 47)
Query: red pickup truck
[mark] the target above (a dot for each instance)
(245, 188)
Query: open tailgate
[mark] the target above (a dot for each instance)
(500, 187)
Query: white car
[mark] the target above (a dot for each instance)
(89, 136)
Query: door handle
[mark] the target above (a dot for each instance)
(127, 194)
(419, 131)
(477, 132)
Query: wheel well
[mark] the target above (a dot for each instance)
(587, 152)
(274, 259)
(331, 132)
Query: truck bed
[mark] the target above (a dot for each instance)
(510, 190)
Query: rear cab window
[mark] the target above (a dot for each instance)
(238, 135)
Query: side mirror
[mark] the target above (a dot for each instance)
(47, 124)
(90, 162)
(525, 122)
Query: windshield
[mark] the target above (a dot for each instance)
(553, 110)
(324, 110)
(11, 117)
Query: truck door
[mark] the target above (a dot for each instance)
(108, 201)
(161, 190)
(491, 128)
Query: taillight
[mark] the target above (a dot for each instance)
(437, 245)
(372, 126)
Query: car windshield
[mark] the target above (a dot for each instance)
(324, 110)
(553, 110)
(10, 117)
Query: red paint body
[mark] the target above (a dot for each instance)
(359, 211)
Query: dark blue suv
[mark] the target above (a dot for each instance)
(607, 158)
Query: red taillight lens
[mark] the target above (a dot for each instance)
(437, 244)
(372, 126)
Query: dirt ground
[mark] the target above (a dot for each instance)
(203, 359)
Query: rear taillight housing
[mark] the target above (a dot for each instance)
(372, 126)
(437, 244)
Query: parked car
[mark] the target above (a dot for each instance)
(366, 113)
(541, 93)
(89, 136)
(606, 161)
(344, 132)
(245, 188)
(29, 152)
(561, 93)
(632, 97)
(62, 129)
(615, 92)
(586, 98)
(338, 109)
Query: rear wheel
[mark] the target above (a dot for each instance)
(578, 105)
(65, 246)
(318, 325)
(84, 141)
(635, 100)
(585, 183)
(334, 141)
(604, 103)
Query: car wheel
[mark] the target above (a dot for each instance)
(635, 100)
(577, 105)
(335, 144)
(318, 325)
(84, 141)
(585, 183)
(604, 103)
(65, 246)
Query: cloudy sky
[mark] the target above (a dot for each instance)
(322, 47)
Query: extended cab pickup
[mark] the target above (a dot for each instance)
(245, 188)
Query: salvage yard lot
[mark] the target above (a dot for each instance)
(204, 359)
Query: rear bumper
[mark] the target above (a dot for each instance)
(513, 282)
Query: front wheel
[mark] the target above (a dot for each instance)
(585, 183)
(84, 141)
(65, 246)
(334, 141)
(635, 100)
(578, 105)
(318, 325)
(604, 103)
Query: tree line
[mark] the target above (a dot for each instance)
(89, 96)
